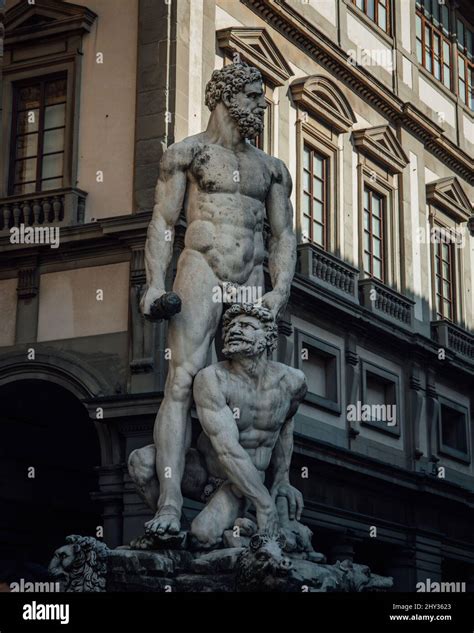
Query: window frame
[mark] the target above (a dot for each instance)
(383, 219)
(16, 86)
(448, 451)
(303, 339)
(388, 377)
(322, 140)
(462, 56)
(437, 247)
(428, 24)
(325, 172)
(374, 20)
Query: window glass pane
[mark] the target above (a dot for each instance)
(27, 121)
(367, 263)
(366, 220)
(447, 309)
(382, 17)
(318, 234)
(53, 141)
(53, 183)
(25, 170)
(317, 211)
(54, 116)
(462, 90)
(371, 9)
(367, 242)
(437, 69)
(318, 166)
(360, 4)
(419, 53)
(27, 187)
(26, 145)
(445, 270)
(317, 189)
(306, 158)
(446, 53)
(366, 199)
(55, 91)
(462, 70)
(376, 206)
(377, 244)
(445, 18)
(469, 39)
(306, 180)
(376, 227)
(446, 289)
(438, 285)
(306, 205)
(29, 97)
(305, 225)
(377, 269)
(418, 27)
(52, 166)
(446, 77)
(436, 44)
(460, 33)
(427, 9)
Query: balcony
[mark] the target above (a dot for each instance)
(327, 271)
(386, 303)
(454, 338)
(63, 207)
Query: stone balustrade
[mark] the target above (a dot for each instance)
(328, 271)
(386, 302)
(453, 337)
(59, 206)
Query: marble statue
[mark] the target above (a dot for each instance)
(226, 188)
(245, 405)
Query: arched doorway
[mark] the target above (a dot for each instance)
(49, 449)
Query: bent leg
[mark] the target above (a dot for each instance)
(217, 516)
(190, 334)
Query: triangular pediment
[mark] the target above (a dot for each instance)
(322, 97)
(51, 16)
(381, 144)
(256, 47)
(448, 194)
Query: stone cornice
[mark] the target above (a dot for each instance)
(309, 38)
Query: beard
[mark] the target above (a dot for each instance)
(250, 124)
(242, 347)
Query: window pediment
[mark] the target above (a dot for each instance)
(27, 23)
(320, 96)
(257, 48)
(448, 194)
(381, 144)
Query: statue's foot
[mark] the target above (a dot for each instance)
(165, 521)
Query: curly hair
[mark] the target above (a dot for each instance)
(229, 81)
(258, 312)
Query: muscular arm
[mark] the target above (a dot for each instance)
(219, 425)
(282, 248)
(169, 195)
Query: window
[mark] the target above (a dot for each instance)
(444, 266)
(465, 63)
(320, 362)
(314, 196)
(377, 10)
(38, 130)
(373, 242)
(453, 429)
(380, 396)
(433, 48)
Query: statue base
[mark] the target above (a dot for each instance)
(85, 564)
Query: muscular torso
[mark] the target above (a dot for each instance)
(260, 411)
(225, 208)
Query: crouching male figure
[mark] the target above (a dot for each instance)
(246, 405)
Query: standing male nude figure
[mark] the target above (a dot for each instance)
(227, 187)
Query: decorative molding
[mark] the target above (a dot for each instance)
(381, 144)
(323, 98)
(27, 283)
(447, 194)
(317, 45)
(26, 22)
(257, 48)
